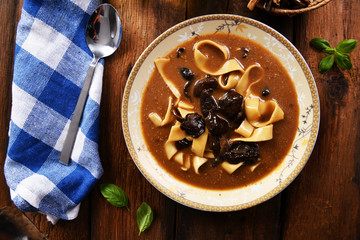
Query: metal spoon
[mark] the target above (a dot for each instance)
(103, 35)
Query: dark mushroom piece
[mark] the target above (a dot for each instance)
(182, 144)
(207, 102)
(242, 152)
(230, 104)
(186, 73)
(216, 124)
(238, 119)
(204, 84)
(193, 125)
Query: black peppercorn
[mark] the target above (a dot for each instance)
(265, 92)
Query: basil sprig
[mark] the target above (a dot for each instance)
(336, 55)
(145, 216)
(118, 197)
(115, 195)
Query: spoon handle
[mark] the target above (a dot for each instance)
(74, 124)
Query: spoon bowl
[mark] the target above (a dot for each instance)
(103, 31)
(103, 36)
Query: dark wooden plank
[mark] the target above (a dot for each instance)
(324, 202)
(9, 15)
(78, 228)
(260, 222)
(142, 22)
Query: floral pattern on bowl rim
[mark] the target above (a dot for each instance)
(278, 179)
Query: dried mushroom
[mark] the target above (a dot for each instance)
(193, 125)
(204, 84)
(242, 152)
(230, 103)
(216, 124)
(286, 4)
(186, 73)
(182, 144)
(207, 102)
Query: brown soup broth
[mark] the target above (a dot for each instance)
(276, 79)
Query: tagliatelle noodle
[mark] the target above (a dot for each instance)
(198, 162)
(245, 129)
(184, 112)
(246, 82)
(179, 158)
(232, 80)
(259, 135)
(255, 109)
(199, 144)
(229, 65)
(156, 119)
(187, 164)
(185, 105)
(160, 64)
(176, 134)
(209, 154)
(170, 149)
(253, 167)
(230, 168)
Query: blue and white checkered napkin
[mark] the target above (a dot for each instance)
(51, 62)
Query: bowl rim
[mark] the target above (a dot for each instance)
(309, 77)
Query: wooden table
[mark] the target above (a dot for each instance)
(322, 203)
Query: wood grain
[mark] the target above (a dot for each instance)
(145, 21)
(323, 203)
(9, 15)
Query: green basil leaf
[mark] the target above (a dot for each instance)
(346, 46)
(329, 50)
(145, 216)
(326, 63)
(320, 44)
(115, 195)
(343, 60)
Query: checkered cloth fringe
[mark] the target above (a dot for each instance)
(51, 62)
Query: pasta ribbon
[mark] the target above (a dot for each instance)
(185, 108)
(160, 64)
(187, 164)
(156, 119)
(184, 112)
(201, 59)
(176, 134)
(259, 135)
(252, 168)
(260, 113)
(245, 129)
(230, 168)
(240, 80)
(198, 162)
(199, 144)
(246, 81)
(232, 80)
(170, 149)
(179, 158)
(185, 105)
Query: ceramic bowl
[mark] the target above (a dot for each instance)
(239, 198)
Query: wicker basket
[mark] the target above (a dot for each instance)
(292, 12)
